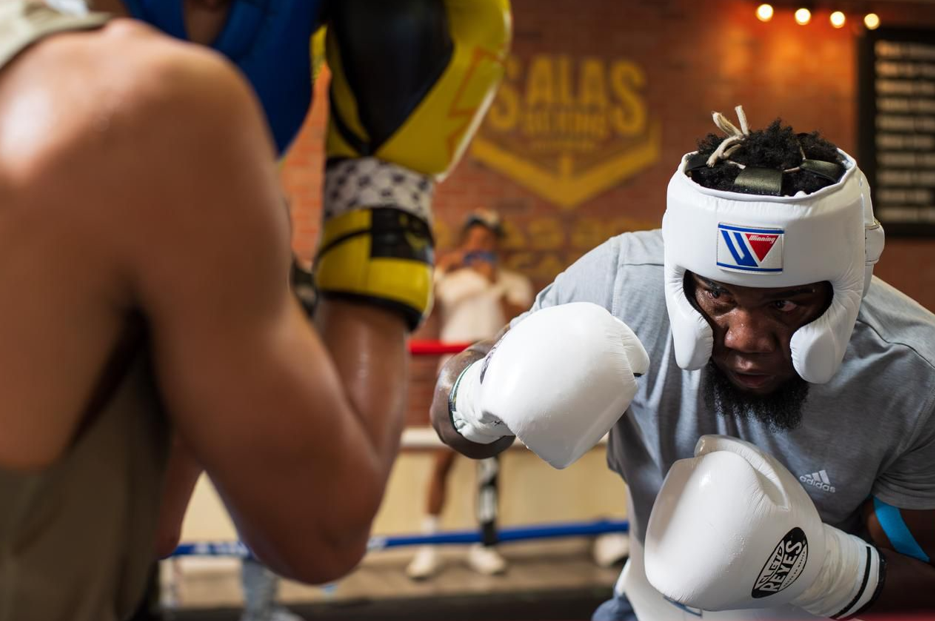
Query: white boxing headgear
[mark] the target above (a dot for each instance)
(772, 241)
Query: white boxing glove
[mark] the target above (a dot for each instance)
(732, 528)
(558, 381)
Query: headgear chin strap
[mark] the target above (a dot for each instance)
(269, 40)
(772, 241)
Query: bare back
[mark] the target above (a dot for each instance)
(65, 306)
(84, 442)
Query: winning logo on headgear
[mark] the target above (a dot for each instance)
(749, 249)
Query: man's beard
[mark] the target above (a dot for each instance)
(781, 409)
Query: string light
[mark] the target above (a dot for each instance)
(838, 19)
(872, 21)
(764, 12)
(803, 16)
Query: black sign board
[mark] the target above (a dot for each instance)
(897, 127)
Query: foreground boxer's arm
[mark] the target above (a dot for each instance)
(369, 351)
(299, 459)
(183, 469)
(387, 140)
(349, 335)
(558, 381)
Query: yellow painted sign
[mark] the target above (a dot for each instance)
(569, 128)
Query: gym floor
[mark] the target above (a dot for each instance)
(546, 580)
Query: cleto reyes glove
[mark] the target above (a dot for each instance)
(732, 528)
(411, 81)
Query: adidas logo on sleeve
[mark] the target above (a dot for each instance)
(818, 479)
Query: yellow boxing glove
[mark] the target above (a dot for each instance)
(411, 81)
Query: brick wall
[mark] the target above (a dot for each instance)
(695, 57)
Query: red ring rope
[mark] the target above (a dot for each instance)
(435, 348)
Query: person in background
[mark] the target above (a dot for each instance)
(476, 297)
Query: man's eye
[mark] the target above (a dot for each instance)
(715, 293)
(785, 306)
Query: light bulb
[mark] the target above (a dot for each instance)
(764, 12)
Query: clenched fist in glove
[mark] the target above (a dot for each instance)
(732, 528)
(558, 381)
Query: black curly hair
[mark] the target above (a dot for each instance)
(777, 147)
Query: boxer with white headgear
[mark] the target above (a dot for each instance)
(779, 443)
(770, 547)
(766, 239)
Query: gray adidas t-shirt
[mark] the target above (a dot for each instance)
(870, 431)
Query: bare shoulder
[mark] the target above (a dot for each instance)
(79, 99)
(123, 132)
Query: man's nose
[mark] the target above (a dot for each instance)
(749, 333)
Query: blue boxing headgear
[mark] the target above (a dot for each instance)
(269, 41)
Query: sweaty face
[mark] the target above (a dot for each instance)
(752, 358)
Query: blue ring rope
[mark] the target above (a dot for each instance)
(465, 537)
